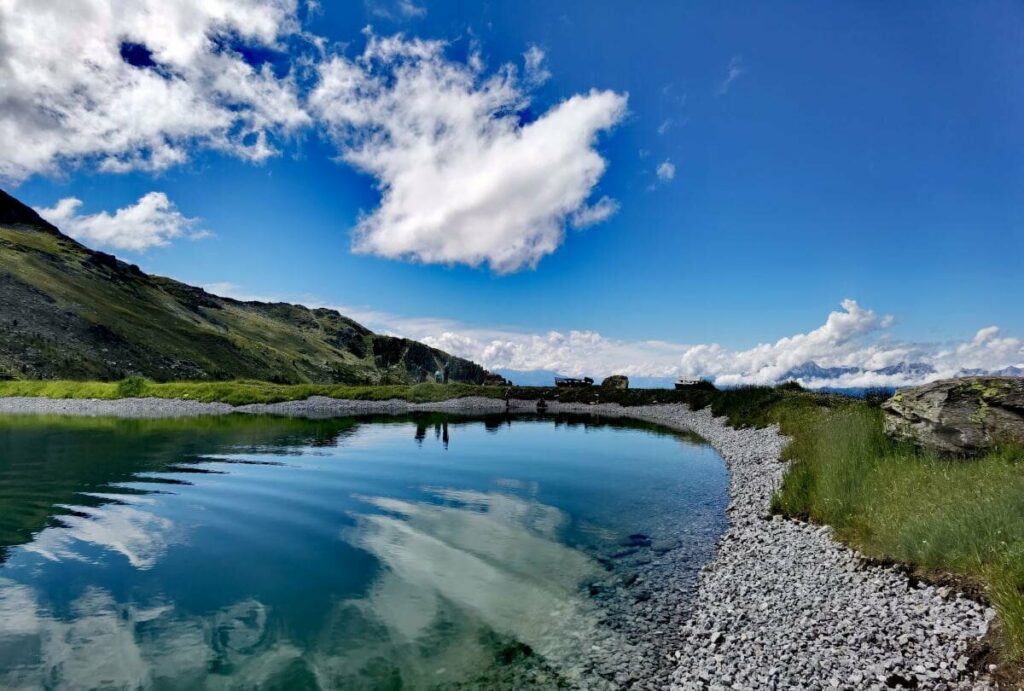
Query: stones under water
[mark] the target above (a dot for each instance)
(427, 551)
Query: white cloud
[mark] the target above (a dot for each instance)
(534, 61)
(467, 174)
(227, 289)
(852, 337)
(571, 352)
(666, 171)
(68, 92)
(665, 125)
(602, 210)
(838, 342)
(395, 9)
(734, 72)
(152, 221)
(462, 180)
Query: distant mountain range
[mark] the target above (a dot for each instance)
(70, 312)
(908, 371)
(1004, 372)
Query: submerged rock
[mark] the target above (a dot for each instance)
(960, 416)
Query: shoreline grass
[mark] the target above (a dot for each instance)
(239, 392)
(745, 407)
(892, 501)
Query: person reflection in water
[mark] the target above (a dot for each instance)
(440, 432)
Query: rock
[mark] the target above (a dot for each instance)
(616, 381)
(960, 416)
(495, 379)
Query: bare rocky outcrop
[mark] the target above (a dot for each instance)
(959, 416)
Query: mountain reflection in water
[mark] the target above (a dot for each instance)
(330, 554)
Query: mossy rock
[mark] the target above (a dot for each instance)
(961, 416)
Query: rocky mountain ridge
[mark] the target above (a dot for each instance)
(67, 311)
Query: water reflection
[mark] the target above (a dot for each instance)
(492, 558)
(124, 527)
(110, 644)
(460, 582)
(331, 554)
(440, 432)
(54, 468)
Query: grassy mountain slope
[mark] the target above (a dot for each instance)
(69, 312)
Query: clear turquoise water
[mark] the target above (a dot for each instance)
(418, 552)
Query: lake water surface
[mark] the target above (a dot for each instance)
(415, 552)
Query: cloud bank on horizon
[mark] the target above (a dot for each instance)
(463, 177)
(852, 349)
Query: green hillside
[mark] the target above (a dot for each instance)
(69, 312)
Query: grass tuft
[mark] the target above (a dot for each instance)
(132, 387)
(894, 501)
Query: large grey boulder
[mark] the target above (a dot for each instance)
(960, 416)
(616, 381)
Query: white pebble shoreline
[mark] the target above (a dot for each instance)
(781, 605)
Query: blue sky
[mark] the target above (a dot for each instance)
(864, 151)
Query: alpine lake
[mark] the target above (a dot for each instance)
(427, 551)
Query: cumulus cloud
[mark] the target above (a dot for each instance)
(152, 221)
(666, 171)
(838, 342)
(464, 175)
(854, 340)
(138, 85)
(467, 172)
(734, 72)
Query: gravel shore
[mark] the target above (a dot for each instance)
(780, 605)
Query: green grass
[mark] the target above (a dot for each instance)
(893, 501)
(745, 407)
(240, 392)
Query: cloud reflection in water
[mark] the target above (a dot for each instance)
(485, 560)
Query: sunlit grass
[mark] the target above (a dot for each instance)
(891, 500)
(241, 392)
